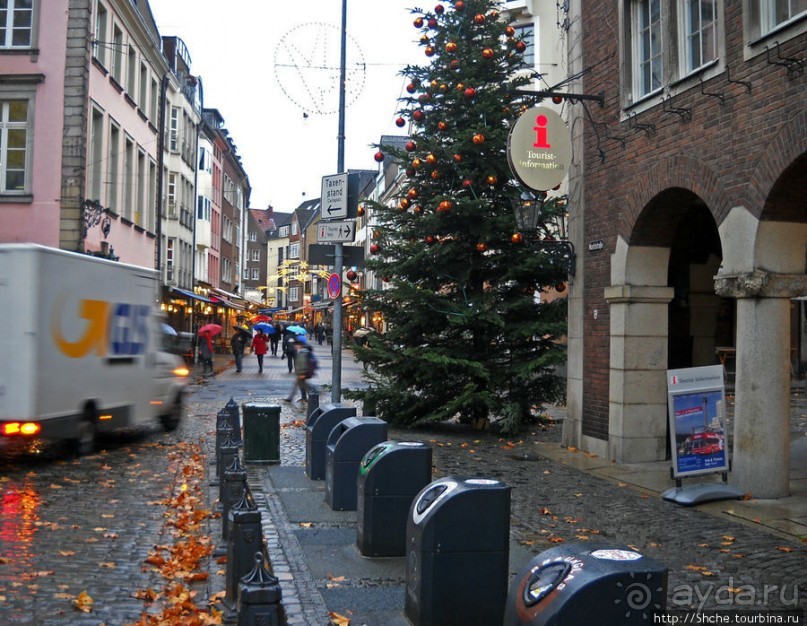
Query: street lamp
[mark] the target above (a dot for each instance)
(529, 211)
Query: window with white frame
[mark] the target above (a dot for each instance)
(294, 229)
(113, 168)
(698, 32)
(16, 23)
(256, 255)
(15, 136)
(96, 156)
(203, 208)
(526, 33)
(648, 67)
(253, 236)
(227, 229)
(294, 251)
(770, 14)
(99, 45)
(256, 273)
(294, 294)
(117, 54)
(170, 246)
(173, 141)
(172, 194)
(284, 231)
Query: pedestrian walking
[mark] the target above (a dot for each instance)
(302, 370)
(206, 353)
(238, 343)
(274, 339)
(289, 350)
(259, 348)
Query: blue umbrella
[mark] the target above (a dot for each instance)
(168, 329)
(267, 328)
(297, 330)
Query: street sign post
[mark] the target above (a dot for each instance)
(334, 232)
(334, 197)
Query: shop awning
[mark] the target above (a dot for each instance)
(225, 302)
(182, 293)
(226, 298)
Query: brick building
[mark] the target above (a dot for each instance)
(688, 220)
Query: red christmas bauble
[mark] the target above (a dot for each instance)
(429, 239)
(412, 193)
(418, 22)
(444, 206)
(481, 247)
(432, 22)
(416, 163)
(351, 275)
(439, 9)
(491, 180)
(488, 53)
(418, 209)
(459, 5)
(467, 183)
(418, 115)
(410, 146)
(478, 139)
(400, 122)
(411, 87)
(509, 31)
(375, 248)
(557, 99)
(521, 46)
(431, 159)
(454, 64)
(360, 210)
(469, 93)
(404, 203)
(451, 46)
(517, 238)
(410, 171)
(442, 126)
(479, 19)
(435, 174)
(457, 158)
(429, 51)
(379, 156)
(423, 98)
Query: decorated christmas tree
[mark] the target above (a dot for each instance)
(467, 334)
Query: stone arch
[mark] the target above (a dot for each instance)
(677, 172)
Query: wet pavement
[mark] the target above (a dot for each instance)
(69, 525)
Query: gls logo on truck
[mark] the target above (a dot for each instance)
(111, 329)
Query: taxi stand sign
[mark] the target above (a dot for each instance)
(539, 149)
(334, 198)
(697, 406)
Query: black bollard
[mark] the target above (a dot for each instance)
(259, 596)
(229, 451)
(235, 420)
(246, 538)
(222, 420)
(235, 487)
(313, 402)
(223, 432)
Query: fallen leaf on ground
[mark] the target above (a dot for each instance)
(83, 602)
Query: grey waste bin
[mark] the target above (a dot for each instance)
(390, 476)
(318, 426)
(261, 433)
(571, 583)
(348, 442)
(458, 544)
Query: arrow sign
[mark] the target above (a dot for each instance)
(334, 197)
(336, 232)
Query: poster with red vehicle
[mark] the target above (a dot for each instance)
(697, 402)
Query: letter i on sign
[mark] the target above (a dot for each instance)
(540, 132)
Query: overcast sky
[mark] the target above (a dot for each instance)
(271, 73)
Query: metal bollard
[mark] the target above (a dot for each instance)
(313, 401)
(235, 488)
(228, 451)
(259, 596)
(223, 428)
(246, 537)
(235, 419)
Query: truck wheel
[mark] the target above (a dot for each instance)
(171, 420)
(84, 443)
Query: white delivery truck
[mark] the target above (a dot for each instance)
(80, 347)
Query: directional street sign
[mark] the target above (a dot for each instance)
(334, 197)
(336, 232)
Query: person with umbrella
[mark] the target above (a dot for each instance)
(238, 342)
(206, 334)
(259, 347)
(302, 362)
(274, 339)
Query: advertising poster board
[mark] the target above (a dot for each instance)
(697, 412)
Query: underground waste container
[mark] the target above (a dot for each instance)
(458, 549)
(261, 432)
(574, 583)
(390, 476)
(318, 426)
(347, 443)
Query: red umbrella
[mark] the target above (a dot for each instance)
(261, 318)
(210, 329)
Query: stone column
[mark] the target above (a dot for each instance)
(761, 446)
(637, 429)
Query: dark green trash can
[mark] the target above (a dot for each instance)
(261, 432)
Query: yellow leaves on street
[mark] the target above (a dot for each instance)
(306, 524)
(785, 549)
(704, 571)
(83, 602)
(338, 620)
